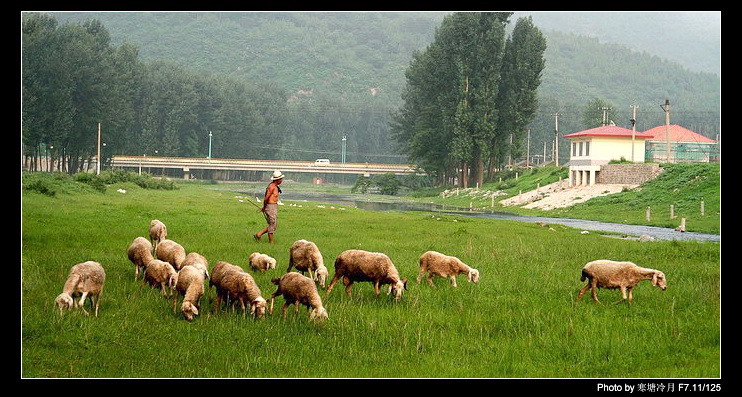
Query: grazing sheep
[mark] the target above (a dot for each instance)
(159, 273)
(261, 262)
(198, 261)
(171, 252)
(157, 232)
(305, 256)
(140, 254)
(358, 265)
(189, 282)
(618, 275)
(297, 288)
(444, 266)
(85, 279)
(232, 283)
(320, 275)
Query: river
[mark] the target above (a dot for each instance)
(384, 204)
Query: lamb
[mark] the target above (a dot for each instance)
(232, 283)
(261, 262)
(171, 252)
(157, 232)
(140, 254)
(305, 256)
(359, 265)
(618, 275)
(297, 288)
(189, 282)
(84, 279)
(159, 273)
(444, 266)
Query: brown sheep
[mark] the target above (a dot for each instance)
(140, 254)
(189, 282)
(159, 273)
(296, 289)
(171, 252)
(444, 266)
(233, 283)
(157, 232)
(618, 275)
(305, 256)
(358, 266)
(84, 279)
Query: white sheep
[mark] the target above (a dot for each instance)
(189, 282)
(84, 279)
(140, 254)
(171, 252)
(233, 283)
(618, 275)
(261, 262)
(358, 265)
(305, 256)
(157, 232)
(444, 266)
(296, 289)
(159, 273)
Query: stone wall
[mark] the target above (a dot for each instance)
(630, 174)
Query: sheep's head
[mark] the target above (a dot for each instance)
(396, 289)
(63, 302)
(473, 275)
(321, 275)
(257, 307)
(659, 280)
(318, 314)
(172, 281)
(189, 310)
(271, 263)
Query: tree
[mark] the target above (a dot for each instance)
(597, 112)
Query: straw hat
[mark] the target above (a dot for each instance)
(277, 175)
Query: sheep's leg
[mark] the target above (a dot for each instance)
(348, 287)
(376, 287)
(631, 295)
(175, 303)
(283, 309)
(335, 279)
(296, 307)
(582, 292)
(594, 291)
(430, 280)
(420, 275)
(623, 295)
(97, 303)
(82, 302)
(453, 281)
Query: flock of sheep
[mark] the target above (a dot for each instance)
(165, 265)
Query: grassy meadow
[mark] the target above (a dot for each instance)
(520, 321)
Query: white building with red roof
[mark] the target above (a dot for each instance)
(593, 148)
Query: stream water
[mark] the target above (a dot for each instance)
(385, 205)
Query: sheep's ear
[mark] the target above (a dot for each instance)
(405, 284)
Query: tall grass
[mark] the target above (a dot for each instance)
(521, 320)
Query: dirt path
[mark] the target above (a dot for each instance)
(560, 195)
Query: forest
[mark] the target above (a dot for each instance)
(291, 85)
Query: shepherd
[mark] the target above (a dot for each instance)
(270, 206)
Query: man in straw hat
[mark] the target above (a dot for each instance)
(270, 206)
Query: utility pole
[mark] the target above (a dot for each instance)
(528, 147)
(97, 165)
(666, 108)
(633, 131)
(556, 139)
(510, 151)
(209, 145)
(342, 157)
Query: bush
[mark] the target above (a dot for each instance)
(41, 186)
(387, 183)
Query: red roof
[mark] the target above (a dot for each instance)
(608, 131)
(677, 134)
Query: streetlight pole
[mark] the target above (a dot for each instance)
(209, 145)
(97, 165)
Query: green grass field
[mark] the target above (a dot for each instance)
(520, 321)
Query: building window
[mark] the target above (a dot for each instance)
(580, 148)
(574, 149)
(587, 148)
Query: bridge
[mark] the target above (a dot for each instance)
(286, 166)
